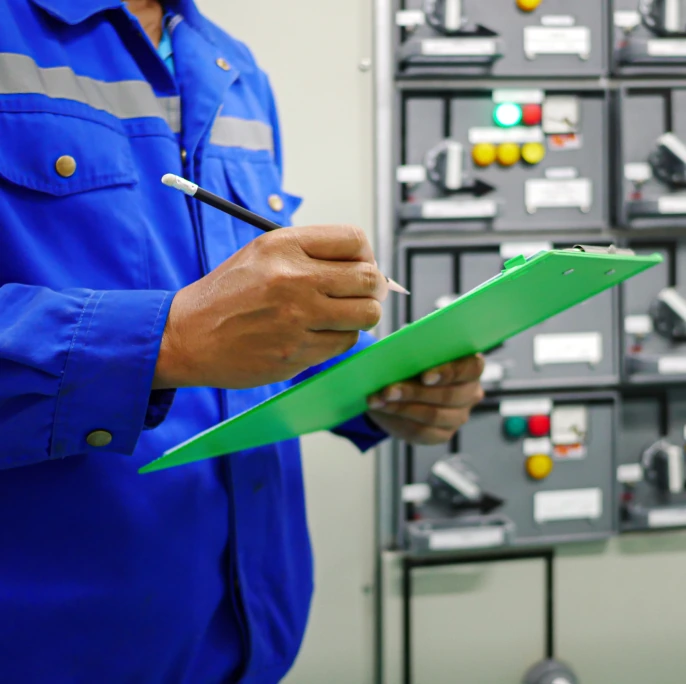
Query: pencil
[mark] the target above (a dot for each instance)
(193, 190)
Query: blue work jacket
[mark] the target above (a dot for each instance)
(199, 574)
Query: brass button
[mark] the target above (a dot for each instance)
(275, 202)
(223, 64)
(99, 438)
(184, 155)
(65, 166)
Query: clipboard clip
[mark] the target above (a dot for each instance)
(595, 249)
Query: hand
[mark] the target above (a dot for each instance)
(287, 301)
(431, 409)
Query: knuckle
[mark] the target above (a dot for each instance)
(357, 236)
(291, 313)
(368, 277)
(370, 314)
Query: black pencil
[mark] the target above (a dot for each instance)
(193, 190)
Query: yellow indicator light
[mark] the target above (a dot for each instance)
(528, 5)
(483, 154)
(539, 466)
(533, 153)
(508, 154)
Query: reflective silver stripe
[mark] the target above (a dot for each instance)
(229, 131)
(20, 75)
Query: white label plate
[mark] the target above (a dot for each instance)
(561, 173)
(627, 19)
(518, 96)
(569, 425)
(544, 193)
(493, 372)
(445, 209)
(568, 348)
(532, 446)
(572, 504)
(516, 134)
(459, 47)
(629, 473)
(509, 250)
(674, 204)
(541, 40)
(667, 517)
(557, 20)
(638, 325)
(671, 365)
(526, 407)
(415, 173)
(666, 47)
(638, 172)
(410, 18)
(477, 538)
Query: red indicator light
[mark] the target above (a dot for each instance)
(539, 426)
(531, 115)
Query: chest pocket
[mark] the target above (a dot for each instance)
(68, 198)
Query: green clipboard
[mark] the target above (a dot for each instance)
(526, 292)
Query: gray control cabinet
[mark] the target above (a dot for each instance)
(463, 170)
(651, 144)
(503, 440)
(578, 347)
(501, 38)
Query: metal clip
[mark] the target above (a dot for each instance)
(595, 249)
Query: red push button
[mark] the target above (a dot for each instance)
(531, 114)
(539, 426)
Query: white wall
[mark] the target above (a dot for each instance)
(311, 50)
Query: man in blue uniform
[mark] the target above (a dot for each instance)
(122, 305)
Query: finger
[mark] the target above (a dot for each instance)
(354, 314)
(427, 415)
(456, 396)
(334, 243)
(462, 370)
(409, 431)
(355, 279)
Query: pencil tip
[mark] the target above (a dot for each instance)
(396, 287)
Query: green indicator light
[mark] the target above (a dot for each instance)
(507, 114)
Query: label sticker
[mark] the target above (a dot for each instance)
(410, 18)
(569, 425)
(666, 47)
(569, 451)
(672, 204)
(568, 348)
(416, 493)
(442, 209)
(509, 250)
(638, 172)
(518, 96)
(671, 365)
(557, 20)
(561, 173)
(526, 407)
(476, 538)
(544, 193)
(561, 114)
(493, 372)
(558, 142)
(630, 473)
(638, 325)
(572, 504)
(412, 174)
(541, 40)
(459, 47)
(533, 446)
(516, 134)
(667, 517)
(627, 19)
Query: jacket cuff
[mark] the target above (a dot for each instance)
(108, 375)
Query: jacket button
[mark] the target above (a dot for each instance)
(99, 438)
(65, 166)
(275, 202)
(184, 155)
(223, 64)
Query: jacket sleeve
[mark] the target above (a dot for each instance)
(361, 431)
(77, 361)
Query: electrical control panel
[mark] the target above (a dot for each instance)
(504, 159)
(525, 470)
(654, 318)
(651, 466)
(651, 169)
(501, 37)
(575, 348)
(649, 37)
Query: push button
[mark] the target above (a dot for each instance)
(528, 5)
(539, 426)
(483, 154)
(99, 438)
(533, 153)
(539, 466)
(514, 427)
(508, 154)
(66, 166)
